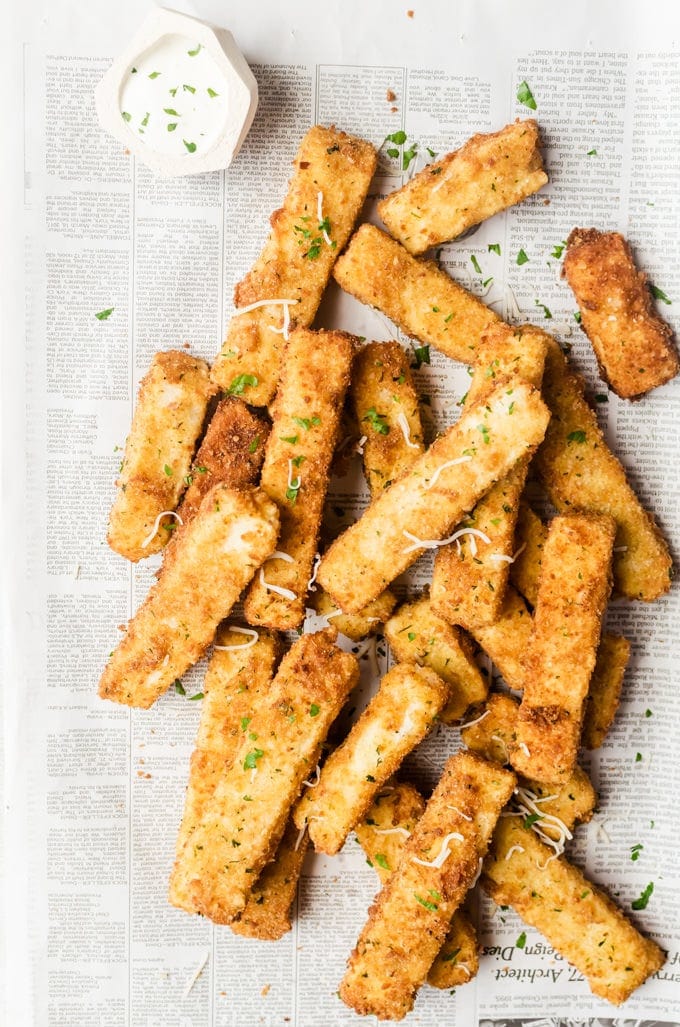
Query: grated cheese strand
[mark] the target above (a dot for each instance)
(265, 303)
(152, 534)
(293, 485)
(449, 463)
(301, 834)
(311, 587)
(254, 635)
(314, 783)
(319, 212)
(406, 431)
(279, 555)
(393, 830)
(286, 593)
(460, 813)
(196, 974)
(359, 448)
(469, 723)
(432, 543)
(512, 850)
(444, 852)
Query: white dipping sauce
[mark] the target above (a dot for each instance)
(174, 97)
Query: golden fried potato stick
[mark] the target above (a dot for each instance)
(505, 641)
(237, 678)
(530, 537)
(333, 172)
(267, 913)
(243, 823)
(633, 345)
(604, 692)
(355, 625)
(431, 497)
(572, 597)
(233, 532)
(386, 409)
(580, 472)
(415, 633)
(489, 173)
(382, 834)
(397, 718)
(412, 914)
(171, 407)
(231, 452)
(417, 295)
(306, 412)
(577, 918)
(471, 577)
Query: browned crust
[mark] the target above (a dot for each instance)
(505, 640)
(490, 172)
(530, 537)
(341, 167)
(382, 383)
(604, 692)
(572, 596)
(355, 625)
(580, 472)
(633, 345)
(417, 295)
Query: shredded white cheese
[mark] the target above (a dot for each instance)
(479, 872)
(279, 555)
(524, 747)
(550, 829)
(314, 783)
(294, 485)
(311, 587)
(359, 448)
(406, 431)
(254, 635)
(464, 967)
(460, 813)
(511, 306)
(301, 834)
(319, 212)
(512, 850)
(469, 723)
(264, 303)
(196, 974)
(432, 543)
(286, 593)
(152, 534)
(449, 463)
(393, 830)
(501, 558)
(333, 613)
(444, 852)
(620, 549)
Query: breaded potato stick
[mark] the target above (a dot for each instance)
(231, 452)
(530, 537)
(604, 691)
(171, 407)
(431, 497)
(222, 547)
(505, 641)
(297, 461)
(572, 596)
(386, 408)
(417, 295)
(470, 578)
(267, 913)
(580, 472)
(633, 345)
(245, 820)
(578, 919)
(412, 914)
(488, 173)
(237, 678)
(383, 834)
(397, 718)
(333, 172)
(355, 625)
(415, 633)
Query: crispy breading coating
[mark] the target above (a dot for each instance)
(222, 547)
(530, 536)
(171, 407)
(235, 682)
(416, 633)
(383, 834)
(505, 641)
(490, 172)
(431, 497)
(411, 916)
(578, 919)
(267, 913)
(604, 692)
(397, 718)
(296, 469)
(386, 409)
(355, 625)
(231, 452)
(580, 472)
(573, 592)
(633, 345)
(417, 295)
(296, 261)
(470, 577)
(243, 823)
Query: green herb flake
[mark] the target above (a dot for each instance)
(635, 851)
(381, 860)
(244, 722)
(485, 433)
(576, 436)
(188, 89)
(250, 762)
(179, 687)
(191, 147)
(145, 119)
(577, 317)
(254, 444)
(396, 137)
(475, 264)
(522, 258)
(168, 470)
(154, 74)
(432, 153)
(171, 111)
(422, 355)
(173, 92)
(408, 156)
(198, 695)
(601, 397)
(558, 250)
(638, 757)
(641, 902)
(411, 636)
(658, 294)
(547, 313)
(530, 820)
(521, 941)
(104, 315)
(307, 422)
(240, 382)
(392, 152)
(289, 438)
(172, 125)
(591, 153)
(211, 93)
(377, 421)
(432, 906)
(525, 96)
(648, 713)
(194, 53)
(126, 116)
(495, 247)
(314, 710)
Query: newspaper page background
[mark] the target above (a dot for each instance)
(94, 792)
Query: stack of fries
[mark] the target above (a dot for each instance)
(241, 517)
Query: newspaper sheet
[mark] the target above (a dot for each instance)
(94, 792)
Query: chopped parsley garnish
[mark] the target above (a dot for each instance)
(451, 956)
(591, 153)
(475, 264)
(254, 444)
(126, 116)
(289, 438)
(658, 294)
(422, 355)
(154, 74)
(525, 96)
(193, 53)
(104, 315)
(638, 757)
(314, 710)
(211, 93)
(172, 125)
(173, 92)
(485, 433)
(601, 397)
(168, 470)
(408, 156)
(250, 762)
(648, 713)
(432, 906)
(521, 941)
(198, 695)
(244, 722)
(191, 147)
(396, 137)
(641, 903)
(547, 313)
(411, 636)
(495, 247)
(381, 860)
(377, 421)
(188, 89)
(530, 820)
(171, 111)
(558, 249)
(577, 317)
(432, 153)
(307, 422)
(179, 687)
(522, 258)
(635, 851)
(576, 436)
(240, 382)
